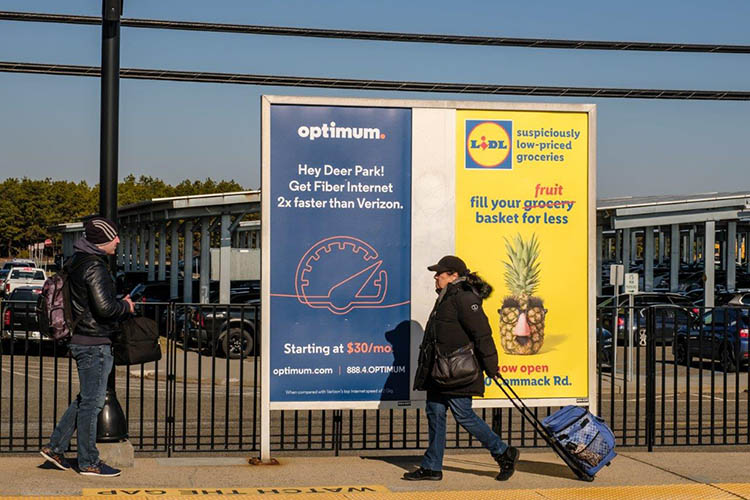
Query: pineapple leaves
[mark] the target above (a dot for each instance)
(522, 266)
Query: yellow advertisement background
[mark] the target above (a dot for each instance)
(563, 248)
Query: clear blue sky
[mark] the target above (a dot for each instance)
(49, 125)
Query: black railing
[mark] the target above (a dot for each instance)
(204, 395)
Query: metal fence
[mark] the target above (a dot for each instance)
(204, 395)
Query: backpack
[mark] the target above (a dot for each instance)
(54, 310)
(586, 437)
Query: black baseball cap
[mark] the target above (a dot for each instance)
(449, 263)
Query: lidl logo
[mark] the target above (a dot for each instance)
(488, 144)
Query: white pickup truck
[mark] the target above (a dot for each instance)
(24, 276)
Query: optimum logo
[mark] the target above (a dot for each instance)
(331, 131)
(488, 144)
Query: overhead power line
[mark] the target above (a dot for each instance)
(383, 36)
(388, 85)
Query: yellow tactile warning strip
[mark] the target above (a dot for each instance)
(223, 492)
(651, 492)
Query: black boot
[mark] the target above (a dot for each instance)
(507, 462)
(422, 474)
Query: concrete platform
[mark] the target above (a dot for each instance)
(684, 473)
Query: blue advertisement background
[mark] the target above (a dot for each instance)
(340, 275)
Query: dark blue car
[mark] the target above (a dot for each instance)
(720, 335)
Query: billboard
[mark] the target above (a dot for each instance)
(361, 195)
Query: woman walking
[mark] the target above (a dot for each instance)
(457, 323)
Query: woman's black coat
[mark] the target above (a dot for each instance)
(457, 319)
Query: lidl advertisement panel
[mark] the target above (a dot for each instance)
(340, 184)
(522, 224)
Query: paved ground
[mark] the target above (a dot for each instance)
(685, 473)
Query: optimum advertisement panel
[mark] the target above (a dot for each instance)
(340, 216)
(522, 222)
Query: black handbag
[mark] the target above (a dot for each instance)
(455, 369)
(137, 342)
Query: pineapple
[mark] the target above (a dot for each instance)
(522, 314)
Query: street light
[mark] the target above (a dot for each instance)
(112, 425)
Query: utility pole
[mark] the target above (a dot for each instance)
(112, 425)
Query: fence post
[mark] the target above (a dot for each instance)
(171, 377)
(337, 431)
(650, 378)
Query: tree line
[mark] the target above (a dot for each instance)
(29, 207)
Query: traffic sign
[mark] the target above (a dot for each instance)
(631, 282)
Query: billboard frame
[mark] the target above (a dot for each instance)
(267, 101)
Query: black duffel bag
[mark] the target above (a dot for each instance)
(137, 342)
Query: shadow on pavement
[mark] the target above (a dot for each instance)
(484, 469)
(545, 469)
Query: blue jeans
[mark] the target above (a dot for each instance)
(461, 408)
(94, 364)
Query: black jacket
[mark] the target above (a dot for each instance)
(457, 319)
(92, 297)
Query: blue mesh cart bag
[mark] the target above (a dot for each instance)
(582, 440)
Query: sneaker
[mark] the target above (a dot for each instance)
(423, 474)
(507, 462)
(101, 469)
(56, 459)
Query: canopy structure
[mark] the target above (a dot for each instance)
(676, 230)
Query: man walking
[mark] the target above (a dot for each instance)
(97, 312)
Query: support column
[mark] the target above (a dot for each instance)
(626, 249)
(151, 232)
(691, 245)
(205, 270)
(648, 259)
(662, 240)
(225, 273)
(162, 251)
(618, 245)
(174, 260)
(599, 260)
(633, 246)
(187, 258)
(142, 249)
(120, 259)
(123, 249)
(709, 262)
(134, 250)
(731, 245)
(685, 254)
(674, 259)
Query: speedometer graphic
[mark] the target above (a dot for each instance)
(341, 273)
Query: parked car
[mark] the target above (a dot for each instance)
(19, 315)
(5, 271)
(604, 347)
(720, 335)
(740, 299)
(721, 298)
(674, 310)
(24, 276)
(227, 329)
(3, 276)
(19, 263)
